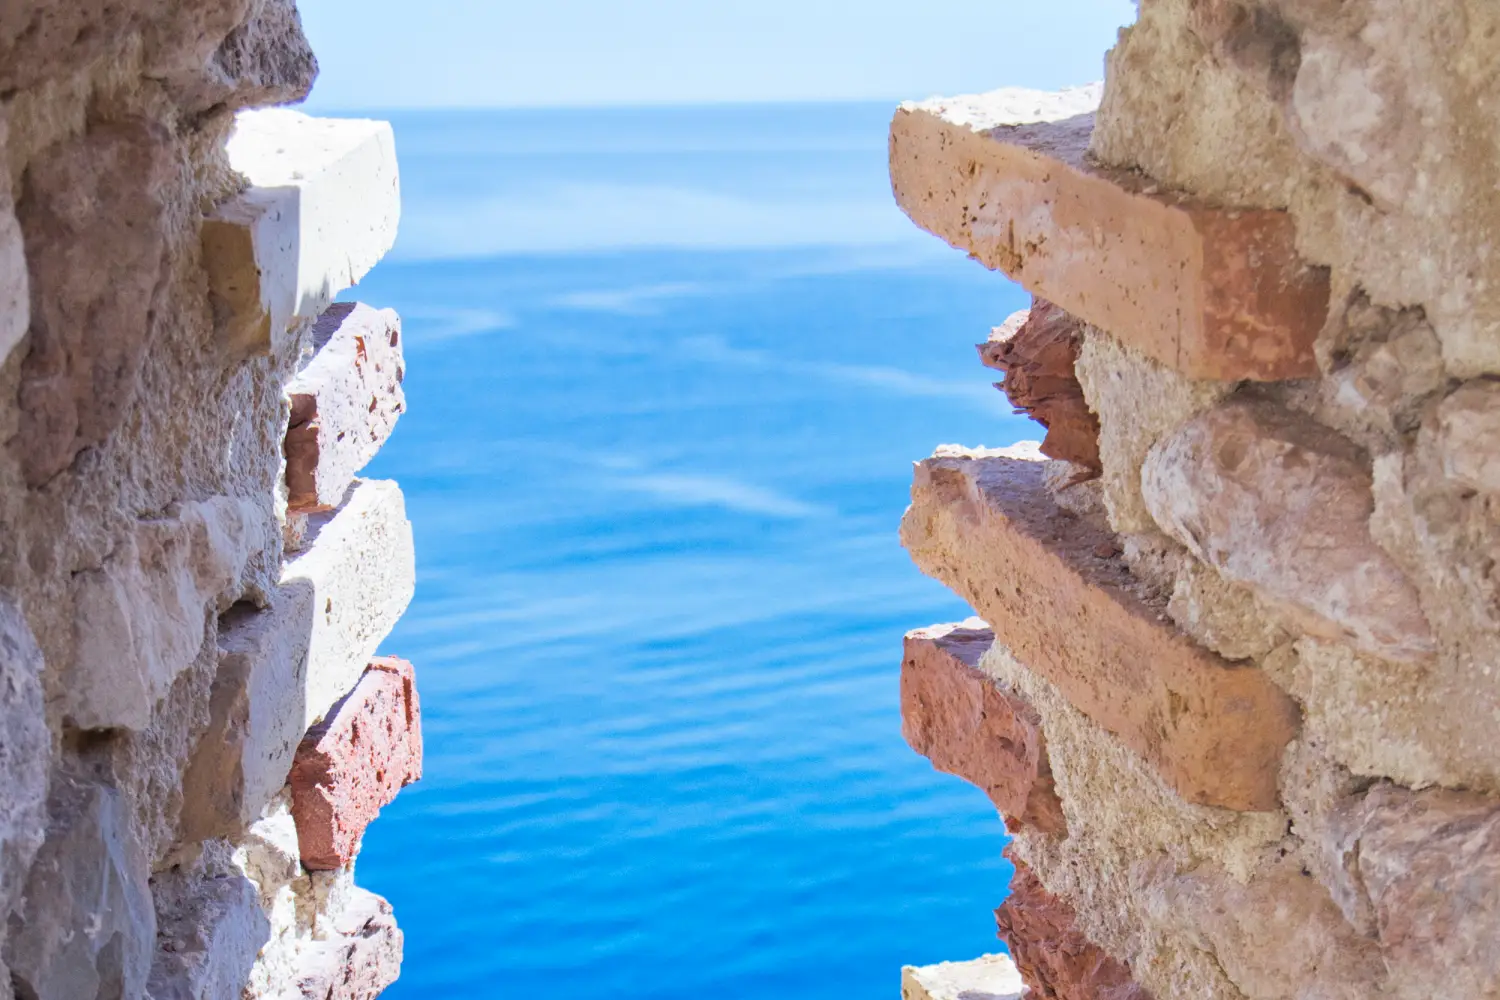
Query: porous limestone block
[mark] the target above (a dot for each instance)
(86, 926)
(344, 403)
(1037, 349)
(15, 293)
(256, 715)
(359, 958)
(968, 725)
(25, 749)
(1055, 957)
(1282, 505)
(990, 977)
(322, 208)
(209, 929)
(1054, 588)
(361, 566)
(356, 761)
(142, 616)
(1212, 292)
(1422, 871)
(1468, 435)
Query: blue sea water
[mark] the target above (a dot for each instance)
(667, 373)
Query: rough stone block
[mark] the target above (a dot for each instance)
(344, 403)
(990, 977)
(15, 289)
(359, 958)
(1213, 292)
(1423, 870)
(25, 749)
(86, 927)
(322, 208)
(1037, 350)
(967, 724)
(209, 929)
(1055, 957)
(1282, 505)
(256, 715)
(1468, 435)
(142, 616)
(355, 762)
(361, 566)
(1057, 593)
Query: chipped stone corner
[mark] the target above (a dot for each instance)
(172, 638)
(1279, 312)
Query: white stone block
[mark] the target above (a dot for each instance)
(322, 208)
(361, 566)
(993, 977)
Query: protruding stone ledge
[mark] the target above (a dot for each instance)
(1216, 293)
(1037, 350)
(1057, 593)
(1056, 959)
(355, 762)
(968, 725)
(361, 565)
(991, 977)
(344, 403)
(359, 956)
(322, 207)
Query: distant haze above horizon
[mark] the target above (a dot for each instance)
(483, 53)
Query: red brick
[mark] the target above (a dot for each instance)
(1037, 350)
(354, 762)
(1213, 292)
(968, 725)
(1058, 595)
(1057, 961)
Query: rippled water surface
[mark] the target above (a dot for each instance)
(667, 373)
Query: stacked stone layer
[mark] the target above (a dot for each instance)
(1251, 621)
(165, 254)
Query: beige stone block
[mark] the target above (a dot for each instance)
(345, 403)
(1468, 435)
(322, 208)
(360, 564)
(1215, 293)
(1282, 505)
(992, 977)
(1056, 592)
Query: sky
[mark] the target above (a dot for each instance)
(545, 53)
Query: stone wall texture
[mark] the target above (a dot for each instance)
(1251, 625)
(170, 630)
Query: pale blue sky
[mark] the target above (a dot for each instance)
(452, 53)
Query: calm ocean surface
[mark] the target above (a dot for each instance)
(667, 373)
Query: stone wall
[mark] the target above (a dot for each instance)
(194, 728)
(1235, 684)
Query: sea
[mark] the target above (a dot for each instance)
(667, 373)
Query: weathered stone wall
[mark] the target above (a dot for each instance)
(172, 639)
(1247, 637)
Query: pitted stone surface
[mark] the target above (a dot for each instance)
(990, 977)
(322, 208)
(344, 403)
(209, 929)
(15, 288)
(1055, 591)
(967, 724)
(257, 713)
(1056, 959)
(1037, 350)
(25, 747)
(355, 762)
(360, 955)
(361, 567)
(1212, 292)
(1277, 503)
(143, 615)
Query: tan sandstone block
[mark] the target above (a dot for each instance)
(344, 403)
(1282, 505)
(1214, 292)
(361, 567)
(1056, 591)
(990, 977)
(322, 208)
(970, 725)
